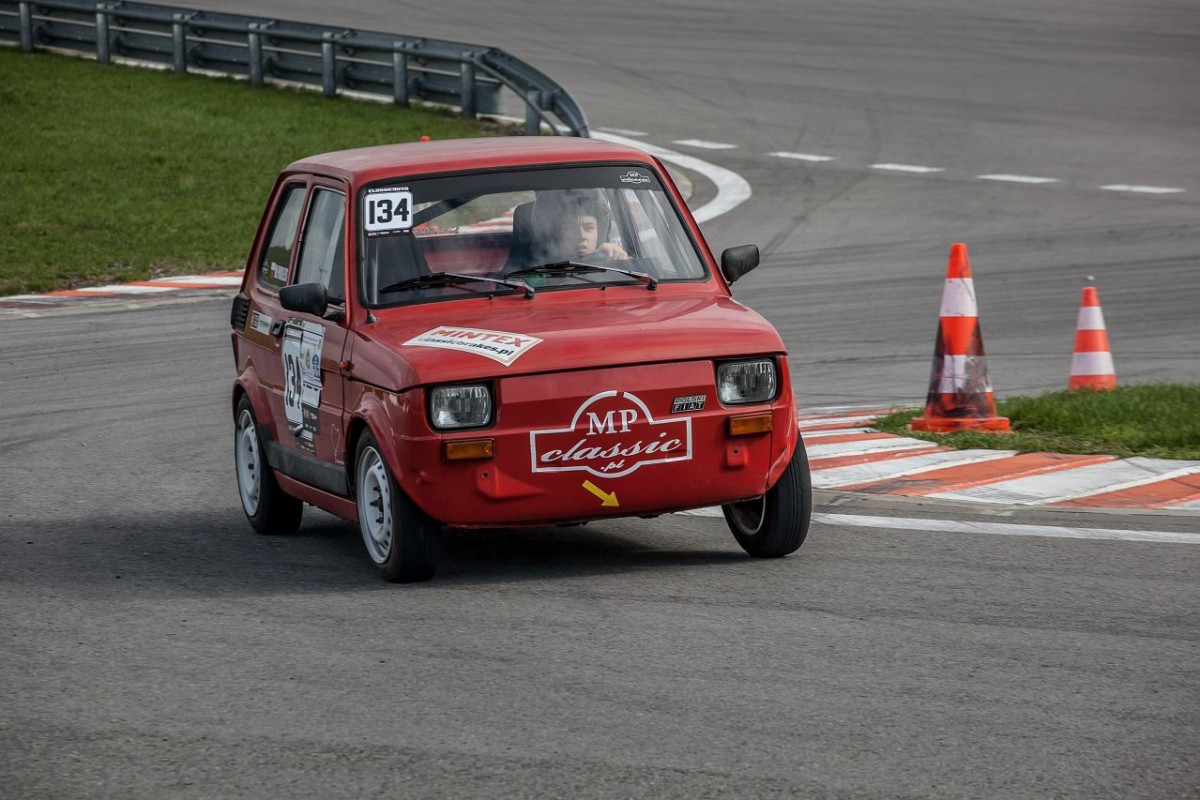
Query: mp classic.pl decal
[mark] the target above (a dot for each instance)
(611, 435)
(302, 345)
(496, 345)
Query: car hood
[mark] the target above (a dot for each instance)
(480, 339)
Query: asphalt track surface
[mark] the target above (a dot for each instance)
(154, 647)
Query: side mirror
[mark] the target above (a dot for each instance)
(307, 297)
(737, 261)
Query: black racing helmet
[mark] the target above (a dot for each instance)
(554, 207)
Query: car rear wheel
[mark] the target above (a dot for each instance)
(401, 540)
(268, 508)
(776, 523)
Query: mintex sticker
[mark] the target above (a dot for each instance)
(611, 435)
(260, 323)
(496, 345)
(387, 210)
(302, 345)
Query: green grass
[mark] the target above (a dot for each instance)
(1160, 420)
(112, 173)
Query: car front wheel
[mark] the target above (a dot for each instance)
(401, 540)
(268, 508)
(775, 524)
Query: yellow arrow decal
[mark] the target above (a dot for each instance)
(606, 498)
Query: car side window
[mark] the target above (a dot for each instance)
(273, 270)
(322, 253)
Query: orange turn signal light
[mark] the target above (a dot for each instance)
(468, 449)
(751, 423)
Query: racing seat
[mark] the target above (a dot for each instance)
(393, 258)
(520, 251)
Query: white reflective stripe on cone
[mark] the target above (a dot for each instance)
(958, 298)
(1091, 318)
(956, 376)
(1099, 363)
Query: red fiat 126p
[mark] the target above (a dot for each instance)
(495, 332)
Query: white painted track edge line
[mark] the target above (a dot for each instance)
(1004, 528)
(732, 189)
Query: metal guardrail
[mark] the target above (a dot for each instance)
(467, 76)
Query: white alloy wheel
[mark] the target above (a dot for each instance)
(249, 463)
(374, 497)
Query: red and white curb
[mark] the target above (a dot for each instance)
(846, 454)
(220, 281)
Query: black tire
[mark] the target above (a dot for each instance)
(775, 524)
(401, 540)
(269, 509)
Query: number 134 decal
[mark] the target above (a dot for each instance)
(388, 211)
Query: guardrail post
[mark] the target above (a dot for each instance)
(400, 73)
(26, 14)
(102, 40)
(468, 86)
(254, 53)
(179, 42)
(328, 66)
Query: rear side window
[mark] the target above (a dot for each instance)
(323, 252)
(273, 271)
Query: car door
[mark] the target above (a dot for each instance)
(311, 347)
(266, 318)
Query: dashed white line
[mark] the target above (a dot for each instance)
(1134, 187)
(907, 168)
(1003, 176)
(803, 156)
(704, 145)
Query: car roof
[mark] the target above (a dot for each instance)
(366, 164)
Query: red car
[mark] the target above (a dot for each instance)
(492, 333)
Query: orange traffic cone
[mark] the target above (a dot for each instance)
(1092, 364)
(960, 394)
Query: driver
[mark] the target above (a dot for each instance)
(573, 224)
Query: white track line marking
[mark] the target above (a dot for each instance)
(803, 156)
(732, 189)
(1004, 528)
(906, 168)
(988, 528)
(1016, 178)
(623, 132)
(1069, 484)
(1133, 187)
(704, 145)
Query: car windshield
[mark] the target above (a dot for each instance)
(540, 228)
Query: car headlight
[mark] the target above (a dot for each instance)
(742, 382)
(460, 407)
